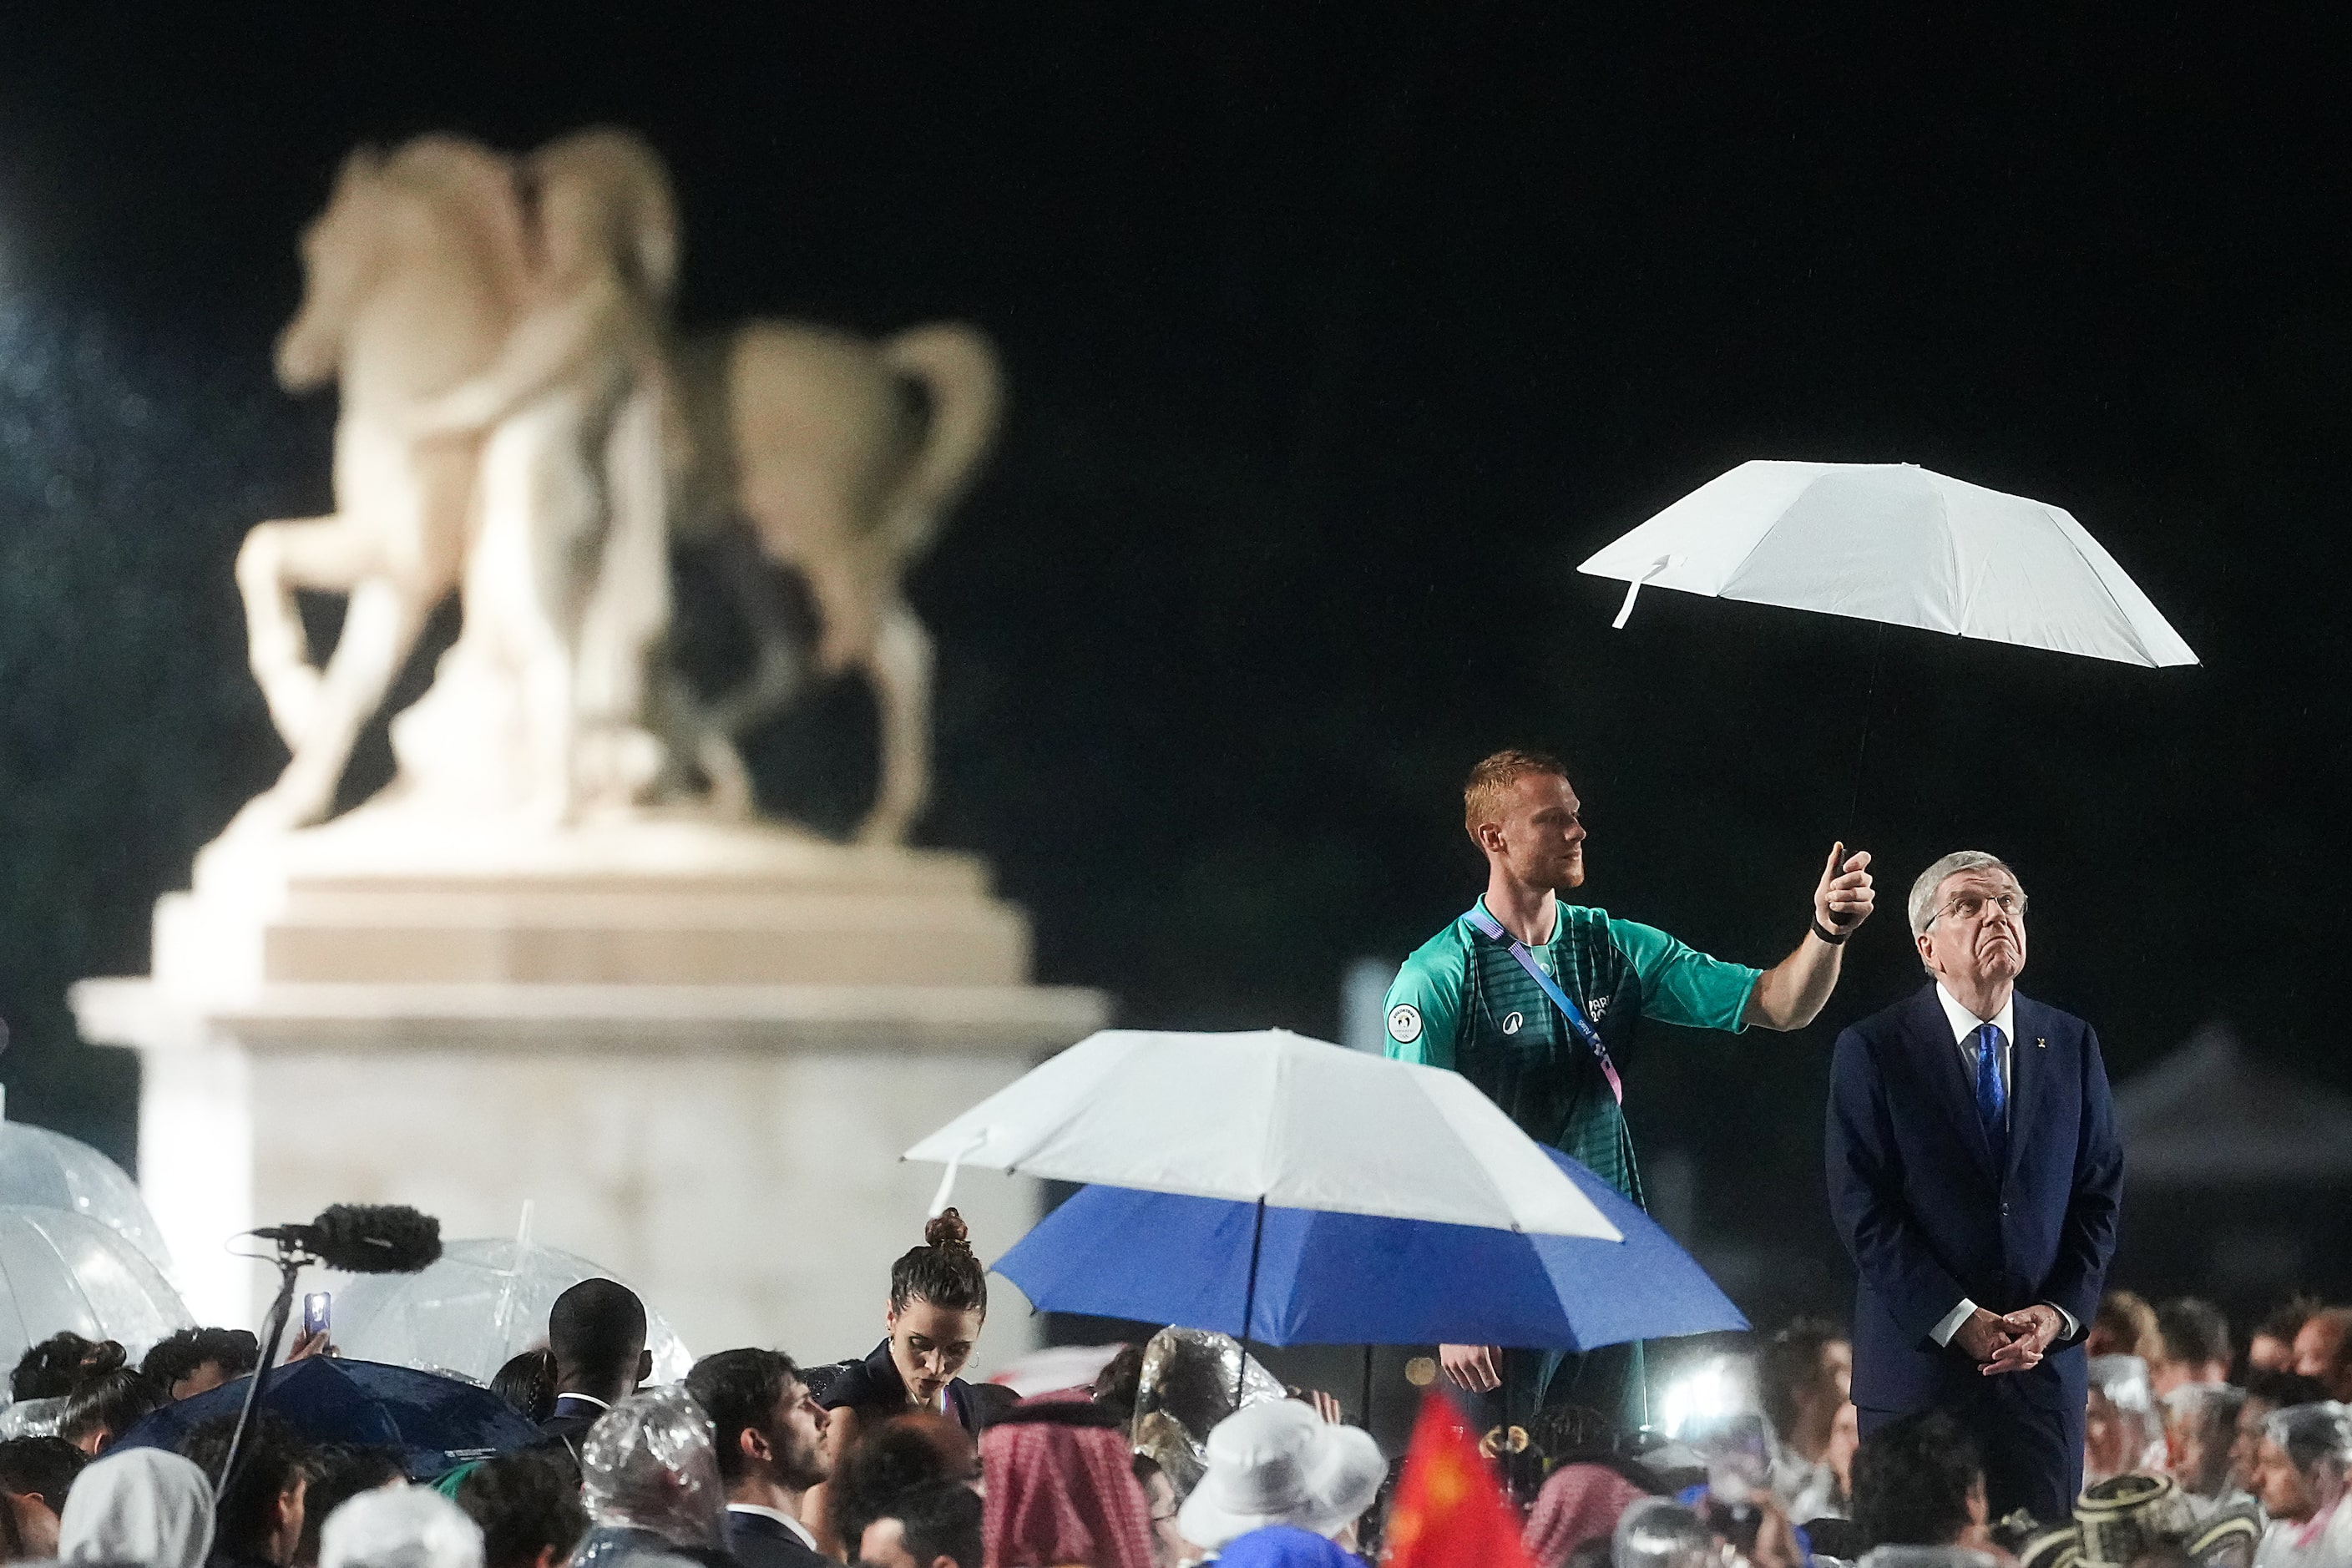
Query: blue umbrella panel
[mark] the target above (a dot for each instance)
(1345, 1278)
(435, 1423)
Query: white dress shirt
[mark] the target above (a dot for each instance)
(780, 1517)
(1965, 1026)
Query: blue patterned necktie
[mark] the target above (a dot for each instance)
(1993, 1099)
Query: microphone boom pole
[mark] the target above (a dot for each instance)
(290, 1258)
(358, 1239)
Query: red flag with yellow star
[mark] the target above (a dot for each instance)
(1450, 1509)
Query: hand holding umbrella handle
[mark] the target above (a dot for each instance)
(1844, 897)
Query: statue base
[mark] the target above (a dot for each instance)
(698, 1047)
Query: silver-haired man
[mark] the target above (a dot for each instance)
(1975, 1178)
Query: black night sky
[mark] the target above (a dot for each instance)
(1337, 337)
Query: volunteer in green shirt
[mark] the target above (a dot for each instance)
(1478, 997)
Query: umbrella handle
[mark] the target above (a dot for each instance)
(1249, 1304)
(1633, 587)
(1862, 748)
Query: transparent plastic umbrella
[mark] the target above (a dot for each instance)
(41, 1169)
(61, 1270)
(485, 1302)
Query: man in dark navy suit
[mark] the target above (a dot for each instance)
(597, 1332)
(771, 1435)
(1976, 1177)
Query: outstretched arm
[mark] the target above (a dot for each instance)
(546, 346)
(1791, 993)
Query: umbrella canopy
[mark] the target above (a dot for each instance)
(61, 1270)
(1269, 1116)
(436, 1423)
(1345, 1278)
(41, 1169)
(1893, 542)
(484, 1302)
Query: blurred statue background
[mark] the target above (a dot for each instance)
(519, 424)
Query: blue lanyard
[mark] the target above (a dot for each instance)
(1492, 930)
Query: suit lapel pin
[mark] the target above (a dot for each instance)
(2041, 1044)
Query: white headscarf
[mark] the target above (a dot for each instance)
(139, 1505)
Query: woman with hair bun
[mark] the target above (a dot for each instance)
(939, 1300)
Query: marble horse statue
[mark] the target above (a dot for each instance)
(521, 425)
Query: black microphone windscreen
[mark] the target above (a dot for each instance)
(375, 1239)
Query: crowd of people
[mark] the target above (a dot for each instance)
(1181, 1450)
(2194, 1450)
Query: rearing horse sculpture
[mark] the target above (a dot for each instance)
(417, 272)
(414, 273)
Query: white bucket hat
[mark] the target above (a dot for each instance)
(1280, 1463)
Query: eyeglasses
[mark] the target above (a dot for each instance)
(1971, 907)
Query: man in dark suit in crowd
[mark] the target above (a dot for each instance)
(598, 1333)
(771, 1436)
(1976, 1177)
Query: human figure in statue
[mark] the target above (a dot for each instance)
(567, 586)
(1535, 1001)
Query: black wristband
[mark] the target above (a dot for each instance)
(1834, 938)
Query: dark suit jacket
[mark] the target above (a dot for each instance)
(1927, 1219)
(873, 1388)
(758, 1542)
(571, 1420)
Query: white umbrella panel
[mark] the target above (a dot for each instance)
(1272, 1117)
(1895, 544)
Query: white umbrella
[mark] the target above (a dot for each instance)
(1894, 543)
(1272, 1118)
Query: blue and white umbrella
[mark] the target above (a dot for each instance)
(1314, 1276)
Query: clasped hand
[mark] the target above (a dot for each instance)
(2011, 1343)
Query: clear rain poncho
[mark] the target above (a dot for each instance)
(1658, 1534)
(2317, 1441)
(649, 1475)
(2312, 1433)
(2204, 1416)
(2122, 1381)
(1185, 1390)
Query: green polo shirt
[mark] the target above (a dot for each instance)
(1463, 1001)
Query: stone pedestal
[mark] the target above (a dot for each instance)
(698, 1047)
